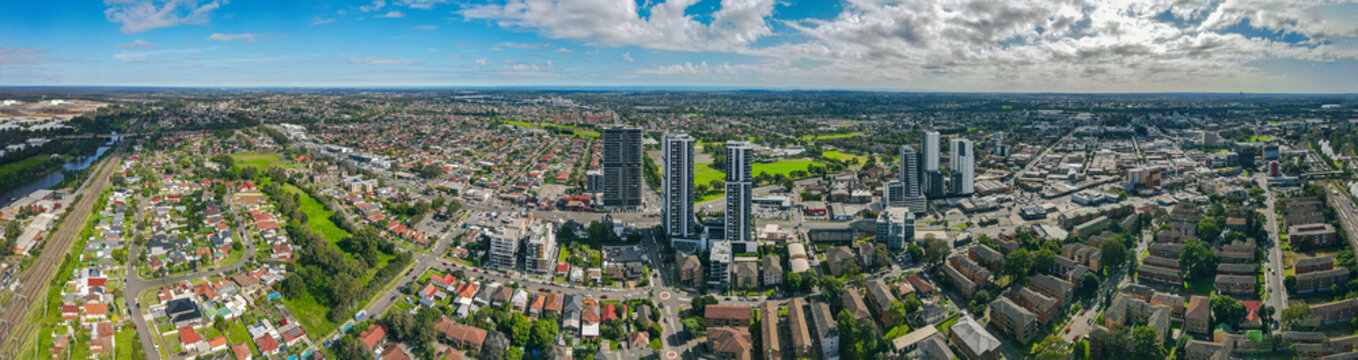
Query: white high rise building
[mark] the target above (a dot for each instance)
(931, 151)
(739, 194)
(963, 165)
(677, 186)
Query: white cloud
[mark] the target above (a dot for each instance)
(394, 14)
(616, 23)
(628, 56)
(24, 56)
(482, 62)
(565, 50)
(138, 44)
(319, 20)
(376, 5)
(142, 15)
(427, 27)
(382, 61)
(147, 56)
(514, 45)
(984, 45)
(249, 38)
(421, 4)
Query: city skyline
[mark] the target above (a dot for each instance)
(949, 46)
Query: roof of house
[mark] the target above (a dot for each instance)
(729, 340)
(188, 336)
(974, 336)
(853, 302)
(374, 334)
(462, 333)
(729, 312)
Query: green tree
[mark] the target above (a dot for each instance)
(1145, 343)
(519, 329)
(1198, 260)
(513, 353)
(699, 304)
(1208, 230)
(935, 250)
(1293, 315)
(1043, 260)
(543, 335)
(1226, 309)
(694, 326)
(1113, 254)
(1017, 263)
(1089, 285)
(1051, 348)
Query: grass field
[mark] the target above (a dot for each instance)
(1255, 139)
(784, 167)
(318, 216)
(836, 155)
(578, 132)
(828, 137)
(311, 314)
(261, 161)
(704, 173)
(9, 169)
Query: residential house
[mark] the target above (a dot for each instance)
(973, 341)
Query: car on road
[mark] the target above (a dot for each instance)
(1067, 330)
(553, 284)
(603, 296)
(476, 270)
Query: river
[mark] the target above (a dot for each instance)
(55, 177)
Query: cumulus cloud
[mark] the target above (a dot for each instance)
(249, 38)
(376, 5)
(142, 15)
(382, 61)
(138, 44)
(616, 23)
(394, 14)
(628, 56)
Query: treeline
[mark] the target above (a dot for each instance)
(321, 270)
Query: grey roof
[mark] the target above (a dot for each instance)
(823, 320)
(974, 336)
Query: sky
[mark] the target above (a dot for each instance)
(1255, 46)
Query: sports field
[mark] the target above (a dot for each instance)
(261, 160)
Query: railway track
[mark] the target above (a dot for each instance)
(14, 329)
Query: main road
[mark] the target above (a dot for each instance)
(14, 330)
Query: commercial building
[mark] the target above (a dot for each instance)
(931, 177)
(622, 166)
(676, 212)
(739, 194)
(963, 166)
(908, 190)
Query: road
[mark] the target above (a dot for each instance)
(134, 285)
(36, 279)
(1274, 266)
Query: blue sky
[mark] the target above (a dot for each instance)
(917, 45)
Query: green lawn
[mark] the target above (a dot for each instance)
(1201, 286)
(311, 314)
(947, 324)
(897, 332)
(261, 160)
(578, 132)
(834, 136)
(318, 216)
(9, 169)
(236, 333)
(784, 167)
(126, 343)
(836, 155)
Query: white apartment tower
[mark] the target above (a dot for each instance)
(677, 187)
(739, 194)
(963, 165)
